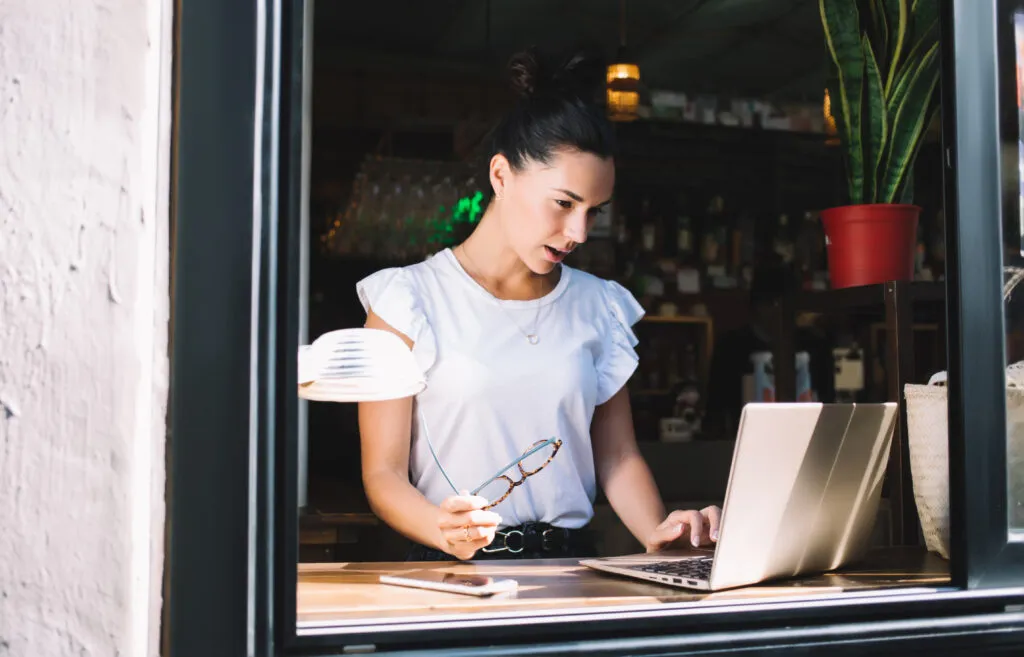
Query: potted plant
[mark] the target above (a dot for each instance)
(884, 93)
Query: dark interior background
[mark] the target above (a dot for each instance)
(425, 80)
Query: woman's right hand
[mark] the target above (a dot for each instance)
(465, 526)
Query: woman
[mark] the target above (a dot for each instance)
(517, 348)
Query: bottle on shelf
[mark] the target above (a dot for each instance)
(810, 248)
(783, 243)
(712, 242)
(744, 244)
(648, 227)
(687, 274)
(685, 238)
(763, 378)
(804, 389)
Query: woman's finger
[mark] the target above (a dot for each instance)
(714, 517)
(467, 534)
(665, 534)
(465, 550)
(692, 519)
(696, 529)
(676, 518)
(460, 503)
(469, 518)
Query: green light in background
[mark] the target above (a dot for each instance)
(468, 209)
(475, 210)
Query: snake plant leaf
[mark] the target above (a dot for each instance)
(924, 13)
(909, 123)
(878, 29)
(922, 29)
(925, 37)
(907, 194)
(875, 122)
(897, 19)
(842, 35)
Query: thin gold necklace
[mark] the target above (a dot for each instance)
(531, 336)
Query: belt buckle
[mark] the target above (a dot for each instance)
(505, 547)
(544, 545)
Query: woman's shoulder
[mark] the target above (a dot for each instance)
(609, 294)
(415, 276)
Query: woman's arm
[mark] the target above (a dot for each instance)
(621, 469)
(385, 435)
(630, 487)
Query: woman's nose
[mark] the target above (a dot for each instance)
(576, 229)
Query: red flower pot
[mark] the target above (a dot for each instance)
(870, 244)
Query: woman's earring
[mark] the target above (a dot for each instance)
(498, 196)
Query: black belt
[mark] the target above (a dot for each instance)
(538, 537)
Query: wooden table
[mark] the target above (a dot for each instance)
(340, 594)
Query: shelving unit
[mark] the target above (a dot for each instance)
(896, 301)
(651, 400)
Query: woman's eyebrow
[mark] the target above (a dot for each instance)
(573, 195)
(579, 199)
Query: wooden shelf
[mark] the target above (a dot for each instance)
(870, 298)
(896, 302)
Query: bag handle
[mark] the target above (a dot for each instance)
(1016, 275)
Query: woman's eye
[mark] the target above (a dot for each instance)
(563, 203)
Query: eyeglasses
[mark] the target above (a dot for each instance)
(533, 460)
(496, 489)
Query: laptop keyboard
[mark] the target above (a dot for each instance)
(699, 568)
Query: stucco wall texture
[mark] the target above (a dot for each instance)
(84, 305)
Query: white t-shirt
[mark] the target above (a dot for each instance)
(491, 393)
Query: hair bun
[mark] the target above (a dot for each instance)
(524, 72)
(578, 75)
(582, 74)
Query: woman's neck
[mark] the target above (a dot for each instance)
(488, 258)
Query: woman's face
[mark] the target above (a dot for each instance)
(546, 210)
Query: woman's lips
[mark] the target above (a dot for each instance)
(554, 255)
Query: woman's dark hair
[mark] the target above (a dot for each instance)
(556, 109)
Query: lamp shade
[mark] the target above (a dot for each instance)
(623, 91)
(358, 364)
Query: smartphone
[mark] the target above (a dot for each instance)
(479, 585)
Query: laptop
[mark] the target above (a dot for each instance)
(802, 499)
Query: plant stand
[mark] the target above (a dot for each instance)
(896, 301)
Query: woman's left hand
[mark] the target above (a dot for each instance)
(699, 527)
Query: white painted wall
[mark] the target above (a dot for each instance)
(84, 305)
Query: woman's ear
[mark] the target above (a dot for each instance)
(500, 173)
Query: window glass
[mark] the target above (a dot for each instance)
(703, 286)
(1013, 294)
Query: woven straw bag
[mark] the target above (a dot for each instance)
(928, 440)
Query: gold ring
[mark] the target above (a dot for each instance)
(466, 529)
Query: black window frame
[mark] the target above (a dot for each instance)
(982, 552)
(232, 451)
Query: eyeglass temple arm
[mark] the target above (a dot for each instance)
(426, 434)
(529, 453)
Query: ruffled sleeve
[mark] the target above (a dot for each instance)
(618, 359)
(394, 297)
